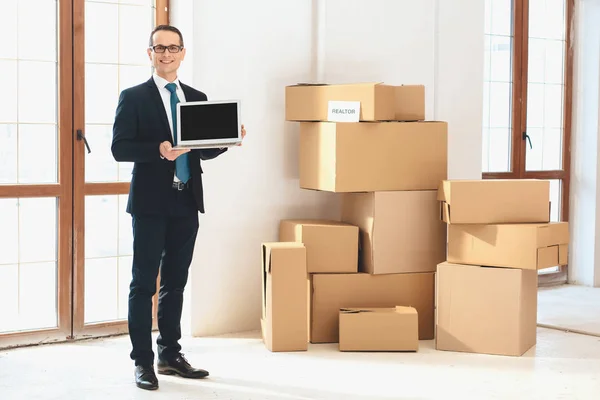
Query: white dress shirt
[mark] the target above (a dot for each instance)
(161, 83)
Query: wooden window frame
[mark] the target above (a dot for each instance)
(71, 210)
(520, 31)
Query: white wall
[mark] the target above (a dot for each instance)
(584, 260)
(252, 54)
(459, 83)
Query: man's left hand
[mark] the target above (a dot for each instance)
(243, 134)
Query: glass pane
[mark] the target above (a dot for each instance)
(101, 93)
(497, 91)
(537, 25)
(135, 25)
(28, 268)
(8, 94)
(535, 105)
(148, 3)
(486, 104)
(500, 95)
(101, 44)
(100, 290)
(485, 160)
(8, 30)
(545, 89)
(501, 58)
(552, 142)
(535, 153)
(37, 153)
(37, 230)
(37, 296)
(101, 226)
(537, 66)
(100, 166)
(37, 92)
(487, 59)
(115, 60)
(9, 297)
(555, 17)
(28, 296)
(123, 286)
(8, 154)
(555, 61)
(39, 43)
(553, 106)
(9, 233)
(109, 250)
(501, 17)
(499, 144)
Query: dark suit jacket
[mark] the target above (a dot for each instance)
(140, 126)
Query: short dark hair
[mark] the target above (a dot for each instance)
(166, 28)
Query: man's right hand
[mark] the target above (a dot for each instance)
(167, 151)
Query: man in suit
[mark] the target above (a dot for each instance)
(165, 197)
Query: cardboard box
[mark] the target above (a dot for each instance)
(379, 329)
(485, 310)
(330, 246)
(495, 201)
(332, 292)
(373, 156)
(525, 246)
(410, 103)
(399, 231)
(378, 102)
(284, 297)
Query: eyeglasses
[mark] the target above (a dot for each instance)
(161, 49)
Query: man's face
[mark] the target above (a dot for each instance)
(166, 63)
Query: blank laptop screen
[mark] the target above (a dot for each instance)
(210, 121)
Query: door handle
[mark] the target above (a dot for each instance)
(526, 137)
(81, 136)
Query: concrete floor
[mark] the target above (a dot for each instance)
(561, 366)
(570, 307)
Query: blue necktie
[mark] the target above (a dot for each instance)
(182, 167)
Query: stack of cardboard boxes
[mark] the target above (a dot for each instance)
(371, 273)
(412, 255)
(499, 236)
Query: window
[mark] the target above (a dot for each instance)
(527, 95)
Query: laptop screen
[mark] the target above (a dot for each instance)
(209, 121)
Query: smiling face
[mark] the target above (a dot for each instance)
(166, 63)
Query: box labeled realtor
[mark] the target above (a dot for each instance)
(400, 231)
(330, 246)
(332, 292)
(284, 297)
(379, 329)
(485, 310)
(369, 157)
(526, 246)
(376, 101)
(495, 201)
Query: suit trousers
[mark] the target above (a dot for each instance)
(161, 242)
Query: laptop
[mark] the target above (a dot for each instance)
(208, 124)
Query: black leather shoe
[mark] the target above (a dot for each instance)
(180, 366)
(145, 378)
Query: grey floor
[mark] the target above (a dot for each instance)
(561, 366)
(576, 308)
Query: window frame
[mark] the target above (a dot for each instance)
(520, 32)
